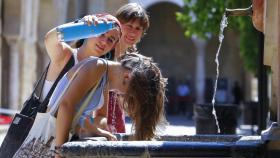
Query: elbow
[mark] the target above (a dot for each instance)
(51, 38)
(66, 109)
(47, 36)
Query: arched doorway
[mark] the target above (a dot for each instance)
(166, 43)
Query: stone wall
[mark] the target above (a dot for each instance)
(112, 6)
(11, 53)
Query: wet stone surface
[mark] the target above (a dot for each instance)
(168, 146)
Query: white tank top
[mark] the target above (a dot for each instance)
(48, 84)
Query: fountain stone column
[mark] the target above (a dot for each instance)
(272, 58)
(14, 88)
(28, 46)
(200, 69)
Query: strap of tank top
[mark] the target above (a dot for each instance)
(54, 108)
(106, 62)
(75, 55)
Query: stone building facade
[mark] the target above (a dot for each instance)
(23, 24)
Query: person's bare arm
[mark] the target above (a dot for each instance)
(100, 118)
(58, 51)
(97, 130)
(86, 78)
(102, 112)
(99, 126)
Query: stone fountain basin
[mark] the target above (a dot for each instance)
(167, 146)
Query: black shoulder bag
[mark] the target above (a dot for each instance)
(23, 121)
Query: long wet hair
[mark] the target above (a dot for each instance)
(132, 12)
(144, 100)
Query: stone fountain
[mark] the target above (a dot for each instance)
(266, 18)
(266, 145)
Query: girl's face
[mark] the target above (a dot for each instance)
(132, 31)
(104, 43)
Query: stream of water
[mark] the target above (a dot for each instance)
(223, 25)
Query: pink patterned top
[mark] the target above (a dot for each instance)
(116, 116)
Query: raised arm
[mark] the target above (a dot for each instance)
(87, 77)
(59, 52)
(98, 125)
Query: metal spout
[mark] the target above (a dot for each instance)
(240, 11)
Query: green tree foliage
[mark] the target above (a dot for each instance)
(202, 17)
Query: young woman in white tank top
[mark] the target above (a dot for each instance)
(60, 52)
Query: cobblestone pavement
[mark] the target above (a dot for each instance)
(178, 125)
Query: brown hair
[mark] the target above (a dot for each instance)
(144, 100)
(132, 12)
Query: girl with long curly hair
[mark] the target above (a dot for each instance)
(136, 77)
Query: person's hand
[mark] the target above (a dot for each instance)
(96, 132)
(100, 128)
(106, 134)
(97, 128)
(93, 19)
(98, 18)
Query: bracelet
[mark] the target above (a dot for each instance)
(91, 120)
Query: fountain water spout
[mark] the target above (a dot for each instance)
(240, 12)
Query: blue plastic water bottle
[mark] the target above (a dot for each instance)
(81, 30)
